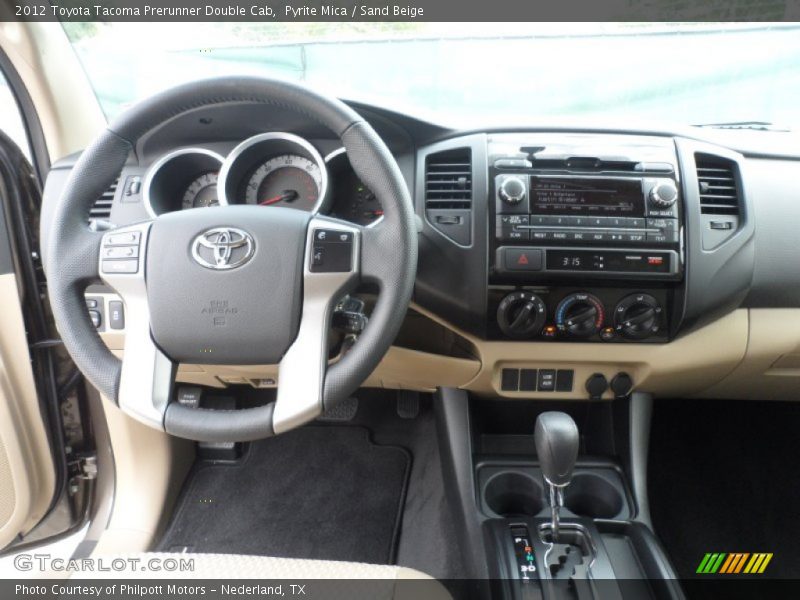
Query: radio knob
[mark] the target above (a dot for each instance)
(638, 316)
(521, 315)
(663, 194)
(512, 190)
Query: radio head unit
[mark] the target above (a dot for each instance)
(587, 215)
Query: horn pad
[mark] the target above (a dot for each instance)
(224, 284)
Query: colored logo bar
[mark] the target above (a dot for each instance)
(734, 563)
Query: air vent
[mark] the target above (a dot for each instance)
(716, 178)
(448, 179)
(102, 208)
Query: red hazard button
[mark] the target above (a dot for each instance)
(522, 259)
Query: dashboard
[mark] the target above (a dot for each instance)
(667, 255)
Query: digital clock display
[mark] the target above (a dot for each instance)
(611, 261)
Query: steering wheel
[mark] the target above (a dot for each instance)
(230, 284)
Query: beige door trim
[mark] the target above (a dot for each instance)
(27, 476)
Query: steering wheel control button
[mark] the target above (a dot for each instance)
(120, 267)
(127, 238)
(116, 315)
(522, 259)
(332, 251)
(112, 252)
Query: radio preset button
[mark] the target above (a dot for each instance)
(616, 222)
(634, 223)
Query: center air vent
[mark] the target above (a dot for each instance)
(448, 193)
(101, 210)
(718, 188)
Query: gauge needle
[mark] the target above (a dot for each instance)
(284, 196)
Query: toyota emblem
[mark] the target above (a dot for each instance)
(223, 248)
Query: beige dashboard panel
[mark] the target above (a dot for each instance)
(685, 366)
(771, 366)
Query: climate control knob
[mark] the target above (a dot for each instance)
(512, 190)
(580, 315)
(663, 194)
(521, 315)
(638, 316)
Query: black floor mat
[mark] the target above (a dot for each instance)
(723, 478)
(324, 492)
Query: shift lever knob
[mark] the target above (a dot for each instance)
(556, 439)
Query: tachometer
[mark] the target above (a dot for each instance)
(286, 180)
(201, 192)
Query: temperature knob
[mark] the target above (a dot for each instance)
(512, 190)
(580, 315)
(638, 316)
(521, 315)
(663, 194)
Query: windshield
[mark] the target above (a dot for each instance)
(457, 73)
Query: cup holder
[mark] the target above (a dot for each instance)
(591, 495)
(513, 495)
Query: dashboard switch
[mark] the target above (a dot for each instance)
(547, 380)
(509, 380)
(522, 259)
(527, 380)
(116, 315)
(564, 379)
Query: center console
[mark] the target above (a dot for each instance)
(551, 497)
(569, 215)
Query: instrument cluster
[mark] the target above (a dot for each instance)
(270, 169)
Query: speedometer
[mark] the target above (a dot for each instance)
(286, 180)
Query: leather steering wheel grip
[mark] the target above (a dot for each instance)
(388, 258)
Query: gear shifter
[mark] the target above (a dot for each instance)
(556, 439)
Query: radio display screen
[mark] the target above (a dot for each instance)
(614, 261)
(590, 196)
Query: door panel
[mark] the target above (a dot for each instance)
(27, 477)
